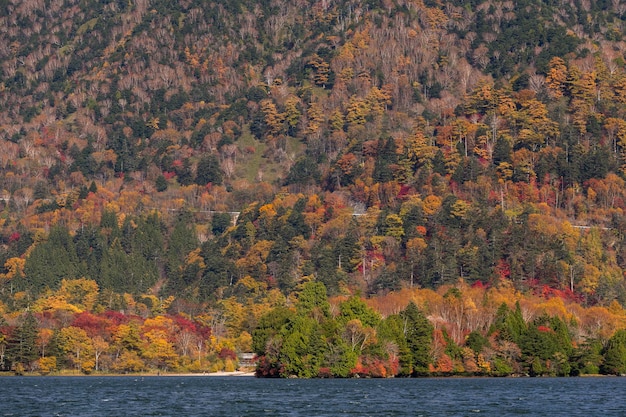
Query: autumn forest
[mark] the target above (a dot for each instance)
(343, 188)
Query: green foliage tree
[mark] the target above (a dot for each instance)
(476, 341)
(392, 329)
(303, 347)
(304, 172)
(615, 355)
(182, 241)
(52, 260)
(418, 332)
(268, 327)
(209, 171)
(312, 301)
(546, 345)
(220, 222)
(22, 347)
(510, 324)
(354, 308)
(160, 184)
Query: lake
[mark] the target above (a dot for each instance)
(246, 396)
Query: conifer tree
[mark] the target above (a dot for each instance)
(419, 334)
(208, 171)
(22, 349)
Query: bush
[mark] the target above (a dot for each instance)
(47, 365)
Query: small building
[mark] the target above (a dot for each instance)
(247, 360)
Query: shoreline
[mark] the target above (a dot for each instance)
(249, 374)
(140, 374)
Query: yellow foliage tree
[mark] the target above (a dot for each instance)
(557, 77)
(273, 118)
(82, 292)
(78, 348)
(431, 205)
(47, 365)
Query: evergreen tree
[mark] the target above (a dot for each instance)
(303, 348)
(615, 355)
(387, 158)
(269, 325)
(393, 329)
(208, 171)
(546, 347)
(304, 172)
(148, 238)
(218, 272)
(115, 270)
(182, 240)
(184, 175)
(52, 260)
(501, 151)
(90, 246)
(22, 349)
(312, 300)
(160, 183)
(510, 323)
(418, 332)
(220, 222)
(356, 308)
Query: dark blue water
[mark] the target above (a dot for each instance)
(243, 396)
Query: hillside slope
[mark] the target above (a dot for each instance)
(369, 145)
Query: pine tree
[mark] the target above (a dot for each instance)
(22, 349)
(208, 171)
(160, 184)
(615, 355)
(52, 260)
(419, 335)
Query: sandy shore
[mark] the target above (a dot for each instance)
(221, 373)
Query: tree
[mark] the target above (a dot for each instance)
(208, 171)
(303, 347)
(100, 346)
(83, 293)
(126, 338)
(304, 172)
(52, 260)
(78, 348)
(358, 336)
(557, 77)
(546, 346)
(158, 350)
(312, 301)
(268, 327)
(510, 323)
(220, 222)
(161, 184)
(272, 118)
(22, 347)
(181, 242)
(393, 329)
(356, 308)
(418, 332)
(292, 114)
(385, 161)
(129, 361)
(615, 355)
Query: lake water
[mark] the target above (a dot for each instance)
(246, 396)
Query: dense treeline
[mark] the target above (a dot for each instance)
(62, 334)
(201, 150)
(457, 338)
(458, 330)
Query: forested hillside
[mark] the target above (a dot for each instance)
(207, 160)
